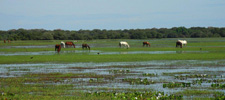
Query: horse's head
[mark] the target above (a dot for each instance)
(89, 47)
(128, 46)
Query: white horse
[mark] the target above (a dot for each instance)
(123, 43)
(63, 44)
(184, 42)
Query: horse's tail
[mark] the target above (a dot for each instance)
(176, 44)
(120, 45)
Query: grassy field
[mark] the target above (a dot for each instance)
(214, 47)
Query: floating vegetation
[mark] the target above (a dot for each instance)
(150, 74)
(171, 74)
(119, 71)
(176, 85)
(218, 86)
(182, 77)
(138, 81)
(135, 95)
(200, 81)
(96, 80)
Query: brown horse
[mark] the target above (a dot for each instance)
(178, 43)
(69, 44)
(85, 46)
(58, 47)
(8, 41)
(146, 43)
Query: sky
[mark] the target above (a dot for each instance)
(110, 14)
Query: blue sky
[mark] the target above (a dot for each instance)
(110, 14)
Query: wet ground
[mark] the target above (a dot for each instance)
(158, 72)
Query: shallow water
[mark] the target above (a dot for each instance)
(136, 69)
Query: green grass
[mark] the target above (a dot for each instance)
(68, 58)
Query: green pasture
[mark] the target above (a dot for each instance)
(68, 58)
(214, 49)
(164, 42)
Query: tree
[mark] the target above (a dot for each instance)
(47, 36)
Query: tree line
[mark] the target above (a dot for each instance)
(58, 34)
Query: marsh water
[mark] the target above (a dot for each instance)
(161, 71)
(165, 71)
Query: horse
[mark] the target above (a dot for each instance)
(57, 47)
(184, 42)
(181, 43)
(146, 43)
(7, 40)
(178, 43)
(69, 44)
(86, 46)
(63, 44)
(123, 43)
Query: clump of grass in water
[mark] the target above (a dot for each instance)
(119, 71)
(138, 81)
(194, 76)
(222, 86)
(176, 85)
(150, 74)
(135, 95)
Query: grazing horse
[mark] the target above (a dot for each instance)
(69, 44)
(181, 43)
(63, 44)
(178, 43)
(57, 47)
(123, 43)
(86, 46)
(146, 43)
(8, 41)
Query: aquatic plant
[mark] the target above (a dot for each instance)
(135, 95)
(175, 85)
(137, 81)
(119, 71)
(194, 76)
(218, 86)
(149, 74)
